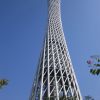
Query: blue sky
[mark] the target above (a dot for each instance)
(23, 24)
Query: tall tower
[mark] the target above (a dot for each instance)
(55, 78)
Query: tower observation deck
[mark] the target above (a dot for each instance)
(55, 78)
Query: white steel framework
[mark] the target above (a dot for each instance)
(55, 78)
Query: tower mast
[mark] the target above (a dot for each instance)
(55, 77)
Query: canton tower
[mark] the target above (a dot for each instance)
(55, 78)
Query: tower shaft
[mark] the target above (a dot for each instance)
(55, 78)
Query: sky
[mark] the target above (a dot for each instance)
(23, 24)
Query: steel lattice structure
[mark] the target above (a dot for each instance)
(55, 77)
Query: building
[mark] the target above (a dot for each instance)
(55, 78)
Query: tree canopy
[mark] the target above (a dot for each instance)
(94, 64)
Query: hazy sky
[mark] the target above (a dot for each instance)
(23, 24)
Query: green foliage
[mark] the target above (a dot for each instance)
(63, 98)
(95, 71)
(94, 62)
(3, 82)
(88, 98)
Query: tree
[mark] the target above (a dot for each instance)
(88, 98)
(3, 82)
(94, 64)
